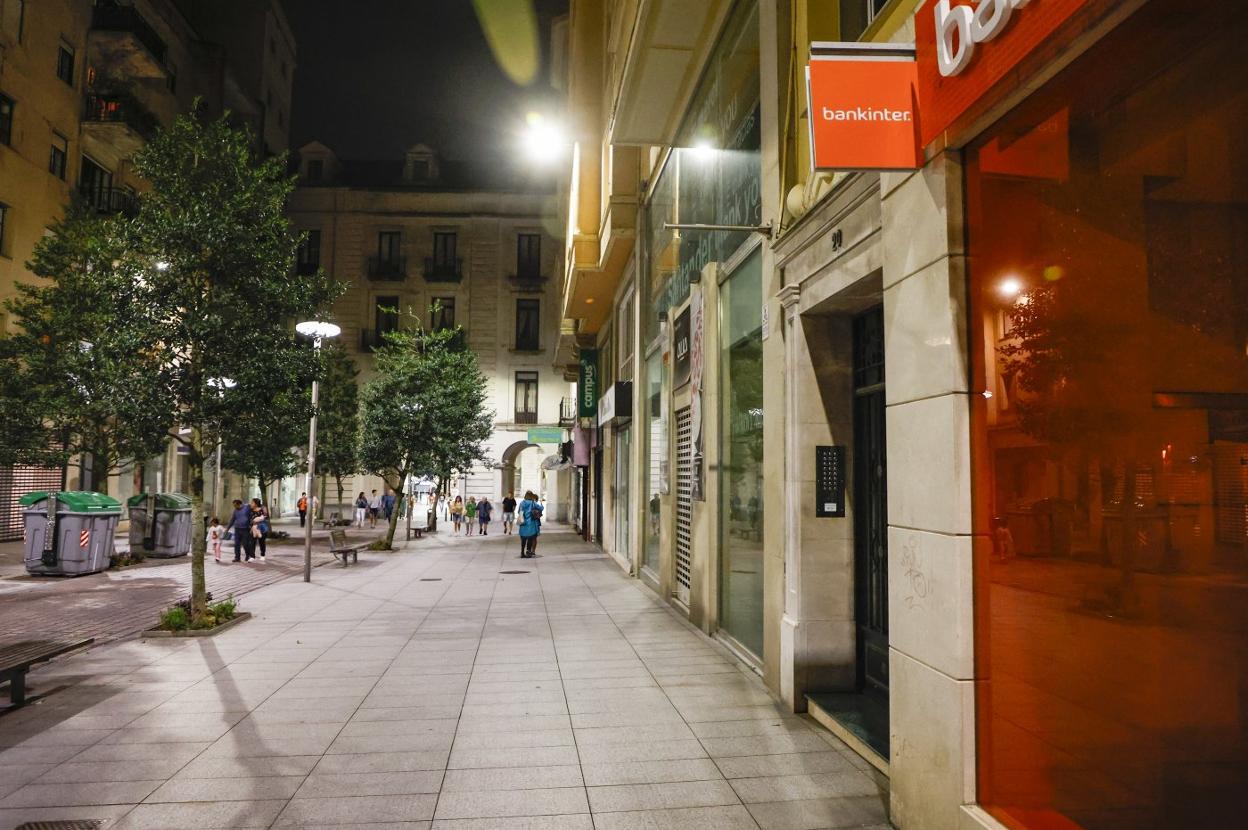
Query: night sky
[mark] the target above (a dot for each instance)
(377, 76)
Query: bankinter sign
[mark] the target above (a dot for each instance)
(863, 113)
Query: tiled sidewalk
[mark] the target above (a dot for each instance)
(426, 689)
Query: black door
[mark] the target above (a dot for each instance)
(870, 505)
(598, 495)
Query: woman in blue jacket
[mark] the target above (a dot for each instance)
(530, 525)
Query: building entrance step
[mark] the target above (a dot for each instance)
(858, 719)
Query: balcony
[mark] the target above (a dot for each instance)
(115, 127)
(123, 44)
(567, 412)
(444, 270)
(525, 417)
(528, 280)
(387, 269)
(109, 201)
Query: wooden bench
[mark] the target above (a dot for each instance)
(16, 660)
(331, 522)
(341, 549)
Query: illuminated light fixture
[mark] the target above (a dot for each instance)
(318, 329)
(543, 140)
(589, 301)
(1010, 287)
(703, 149)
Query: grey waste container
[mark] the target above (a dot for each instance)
(170, 532)
(80, 540)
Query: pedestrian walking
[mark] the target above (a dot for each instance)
(316, 507)
(361, 509)
(470, 515)
(485, 510)
(302, 504)
(259, 528)
(530, 525)
(509, 513)
(457, 513)
(374, 509)
(240, 529)
(216, 533)
(387, 504)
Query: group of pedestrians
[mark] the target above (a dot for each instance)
(248, 526)
(473, 518)
(370, 509)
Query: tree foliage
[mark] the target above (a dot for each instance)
(264, 441)
(82, 373)
(220, 285)
(425, 411)
(339, 423)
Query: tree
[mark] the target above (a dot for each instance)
(263, 441)
(339, 425)
(82, 372)
(222, 286)
(424, 413)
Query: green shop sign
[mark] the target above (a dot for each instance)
(546, 435)
(587, 385)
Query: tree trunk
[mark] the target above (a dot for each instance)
(199, 586)
(338, 481)
(322, 501)
(394, 514)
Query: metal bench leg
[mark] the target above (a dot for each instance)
(17, 687)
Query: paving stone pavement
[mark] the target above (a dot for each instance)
(426, 689)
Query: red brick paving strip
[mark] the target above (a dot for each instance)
(118, 603)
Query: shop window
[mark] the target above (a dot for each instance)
(58, 158)
(7, 108)
(65, 63)
(1109, 288)
(526, 398)
(528, 324)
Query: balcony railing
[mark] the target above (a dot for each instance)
(121, 109)
(529, 279)
(387, 269)
(567, 412)
(525, 417)
(444, 270)
(110, 200)
(114, 16)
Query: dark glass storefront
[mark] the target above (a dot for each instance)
(1108, 241)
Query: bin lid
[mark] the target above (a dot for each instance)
(164, 501)
(78, 501)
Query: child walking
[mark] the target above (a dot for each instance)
(216, 535)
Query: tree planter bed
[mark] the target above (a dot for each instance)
(241, 616)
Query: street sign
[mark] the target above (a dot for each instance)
(545, 435)
(587, 385)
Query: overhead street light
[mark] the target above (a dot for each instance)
(318, 330)
(543, 140)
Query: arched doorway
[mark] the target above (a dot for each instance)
(512, 469)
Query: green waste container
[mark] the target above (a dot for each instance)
(79, 537)
(160, 524)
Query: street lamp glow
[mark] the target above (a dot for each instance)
(543, 141)
(318, 329)
(703, 149)
(1010, 287)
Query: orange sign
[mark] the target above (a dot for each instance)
(964, 48)
(864, 113)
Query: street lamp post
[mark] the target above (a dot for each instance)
(318, 330)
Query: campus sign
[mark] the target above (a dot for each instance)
(587, 385)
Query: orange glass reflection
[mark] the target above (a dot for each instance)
(1108, 231)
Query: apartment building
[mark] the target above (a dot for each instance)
(420, 230)
(952, 456)
(83, 86)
